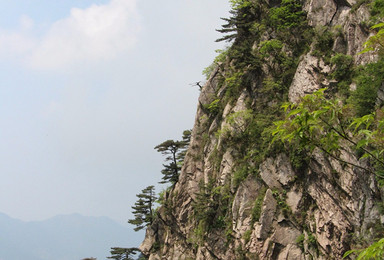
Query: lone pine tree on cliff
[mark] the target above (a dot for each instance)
(143, 208)
(175, 152)
(119, 253)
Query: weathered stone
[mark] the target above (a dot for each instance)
(277, 172)
(291, 252)
(380, 96)
(202, 253)
(243, 204)
(320, 12)
(226, 165)
(150, 239)
(285, 235)
(293, 200)
(267, 216)
(309, 77)
(154, 257)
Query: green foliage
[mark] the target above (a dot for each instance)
(229, 233)
(240, 175)
(243, 28)
(240, 120)
(214, 107)
(368, 80)
(211, 209)
(329, 125)
(234, 79)
(377, 10)
(281, 198)
(375, 43)
(270, 86)
(200, 232)
(175, 152)
(314, 122)
(343, 67)
(374, 251)
(326, 124)
(298, 159)
(290, 24)
(247, 236)
(259, 134)
(342, 73)
(312, 241)
(370, 132)
(281, 66)
(257, 28)
(203, 209)
(143, 208)
(248, 131)
(271, 48)
(257, 206)
(119, 253)
(244, 13)
(300, 241)
(289, 15)
(234, 83)
(156, 246)
(323, 43)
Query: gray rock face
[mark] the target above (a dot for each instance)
(267, 216)
(320, 12)
(277, 212)
(243, 204)
(310, 76)
(312, 71)
(278, 172)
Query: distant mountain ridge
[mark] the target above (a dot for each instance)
(63, 237)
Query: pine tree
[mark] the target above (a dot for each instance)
(143, 208)
(175, 152)
(185, 144)
(119, 253)
(244, 14)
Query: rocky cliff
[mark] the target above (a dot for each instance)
(241, 197)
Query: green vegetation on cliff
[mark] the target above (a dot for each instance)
(246, 123)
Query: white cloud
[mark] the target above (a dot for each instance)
(14, 44)
(97, 33)
(26, 22)
(17, 43)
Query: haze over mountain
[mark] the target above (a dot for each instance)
(63, 237)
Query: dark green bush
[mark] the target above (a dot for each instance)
(343, 66)
(323, 43)
(368, 80)
(377, 10)
(288, 15)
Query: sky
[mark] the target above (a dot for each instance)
(88, 88)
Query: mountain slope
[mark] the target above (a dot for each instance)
(240, 196)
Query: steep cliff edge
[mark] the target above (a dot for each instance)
(239, 196)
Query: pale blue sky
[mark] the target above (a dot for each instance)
(87, 89)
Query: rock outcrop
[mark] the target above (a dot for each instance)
(269, 209)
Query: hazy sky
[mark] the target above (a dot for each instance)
(87, 89)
